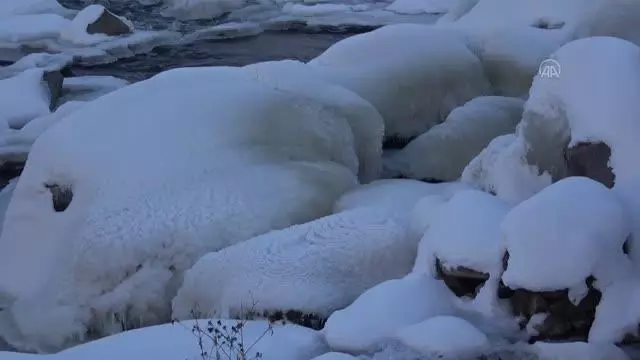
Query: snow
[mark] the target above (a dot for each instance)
(317, 9)
(26, 7)
(130, 229)
(16, 144)
(443, 336)
(617, 313)
(315, 268)
(413, 7)
(502, 169)
(579, 350)
(200, 9)
(414, 74)
(176, 341)
(569, 231)
(424, 211)
(76, 31)
(443, 152)
(382, 310)
(395, 195)
(46, 62)
(23, 28)
(335, 356)
(24, 97)
(589, 104)
(232, 30)
(87, 88)
(464, 232)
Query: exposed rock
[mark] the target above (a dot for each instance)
(590, 160)
(563, 319)
(61, 196)
(10, 170)
(309, 320)
(108, 24)
(461, 280)
(54, 80)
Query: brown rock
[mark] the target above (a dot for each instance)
(461, 280)
(108, 24)
(590, 160)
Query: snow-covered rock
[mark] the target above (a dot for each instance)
(593, 100)
(87, 88)
(95, 24)
(46, 62)
(24, 28)
(414, 74)
(314, 268)
(424, 211)
(444, 336)
(128, 191)
(382, 310)
(414, 7)
(443, 152)
(24, 97)
(464, 234)
(177, 341)
(15, 145)
(618, 313)
(200, 9)
(397, 196)
(366, 123)
(579, 350)
(569, 231)
(502, 169)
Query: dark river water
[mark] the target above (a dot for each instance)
(271, 45)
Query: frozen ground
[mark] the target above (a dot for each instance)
(254, 198)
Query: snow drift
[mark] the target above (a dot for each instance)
(314, 268)
(414, 74)
(122, 196)
(443, 152)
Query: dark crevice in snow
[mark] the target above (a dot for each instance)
(61, 196)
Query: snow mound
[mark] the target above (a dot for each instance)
(465, 232)
(587, 104)
(616, 18)
(103, 238)
(177, 341)
(24, 97)
(314, 268)
(382, 310)
(443, 336)
(414, 74)
(88, 88)
(443, 152)
(15, 145)
(366, 123)
(424, 212)
(24, 28)
(502, 169)
(231, 30)
(617, 313)
(77, 31)
(569, 231)
(395, 195)
(579, 350)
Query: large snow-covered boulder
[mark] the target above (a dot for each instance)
(413, 74)
(310, 270)
(128, 191)
(384, 309)
(592, 101)
(462, 245)
(557, 243)
(443, 152)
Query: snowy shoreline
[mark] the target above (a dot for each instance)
(259, 196)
